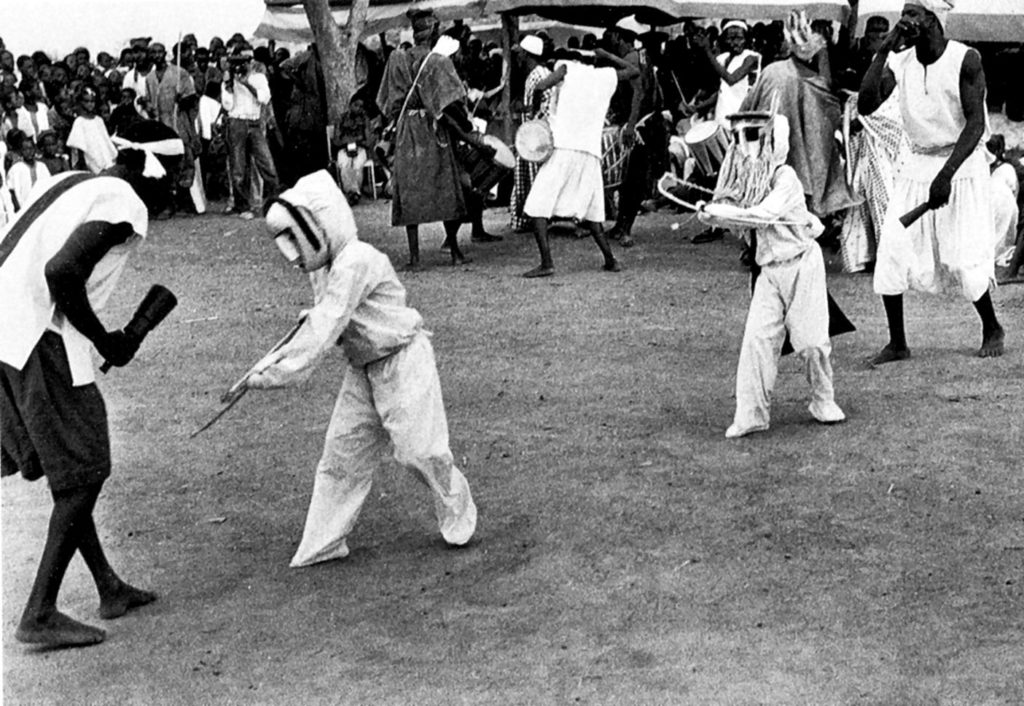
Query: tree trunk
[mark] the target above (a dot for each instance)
(337, 46)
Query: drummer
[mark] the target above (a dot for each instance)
(570, 184)
(538, 98)
(737, 68)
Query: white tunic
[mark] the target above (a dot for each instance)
(730, 98)
(28, 308)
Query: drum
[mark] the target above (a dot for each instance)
(480, 173)
(534, 142)
(613, 157)
(708, 142)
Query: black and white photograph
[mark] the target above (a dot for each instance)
(506, 352)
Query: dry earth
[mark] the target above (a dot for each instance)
(626, 552)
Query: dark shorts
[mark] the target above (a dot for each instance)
(48, 427)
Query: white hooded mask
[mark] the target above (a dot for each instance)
(311, 222)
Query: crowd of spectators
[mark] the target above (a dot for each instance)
(252, 120)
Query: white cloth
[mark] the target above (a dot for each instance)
(391, 390)
(930, 103)
(940, 8)
(583, 97)
(32, 124)
(208, 114)
(951, 248)
(350, 170)
(568, 185)
(1005, 212)
(28, 308)
(788, 296)
(397, 400)
(242, 103)
(21, 177)
(91, 137)
(730, 98)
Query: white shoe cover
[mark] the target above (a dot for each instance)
(736, 431)
(458, 522)
(826, 412)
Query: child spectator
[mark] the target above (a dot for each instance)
(53, 155)
(32, 116)
(24, 173)
(93, 148)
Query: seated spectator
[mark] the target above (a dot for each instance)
(89, 139)
(24, 173)
(353, 141)
(52, 153)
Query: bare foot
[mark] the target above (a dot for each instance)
(458, 261)
(992, 345)
(889, 355)
(612, 266)
(539, 272)
(116, 604)
(58, 630)
(413, 267)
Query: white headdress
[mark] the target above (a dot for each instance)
(940, 8)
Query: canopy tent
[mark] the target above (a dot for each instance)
(285, 20)
(971, 21)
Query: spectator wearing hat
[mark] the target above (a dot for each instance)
(244, 94)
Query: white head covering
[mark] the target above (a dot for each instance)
(532, 44)
(735, 23)
(940, 8)
(318, 201)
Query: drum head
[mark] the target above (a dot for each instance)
(700, 132)
(533, 141)
(502, 154)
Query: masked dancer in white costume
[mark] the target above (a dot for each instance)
(391, 391)
(756, 186)
(942, 102)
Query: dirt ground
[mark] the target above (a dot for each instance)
(626, 552)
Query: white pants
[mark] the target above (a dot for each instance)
(350, 170)
(399, 400)
(790, 296)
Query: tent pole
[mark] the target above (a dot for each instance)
(509, 36)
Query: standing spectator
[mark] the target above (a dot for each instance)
(306, 118)
(93, 148)
(32, 117)
(124, 114)
(173, 102)
(243, 96)
(214, 157)
(25, 172)
(420, 92)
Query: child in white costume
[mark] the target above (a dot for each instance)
(789, 295)
(391, 391)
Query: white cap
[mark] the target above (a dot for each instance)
(532, 44)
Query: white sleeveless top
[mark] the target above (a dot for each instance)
(933, 113)
(730, 98)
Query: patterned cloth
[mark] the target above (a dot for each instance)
(526, 172)
(874, 153)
